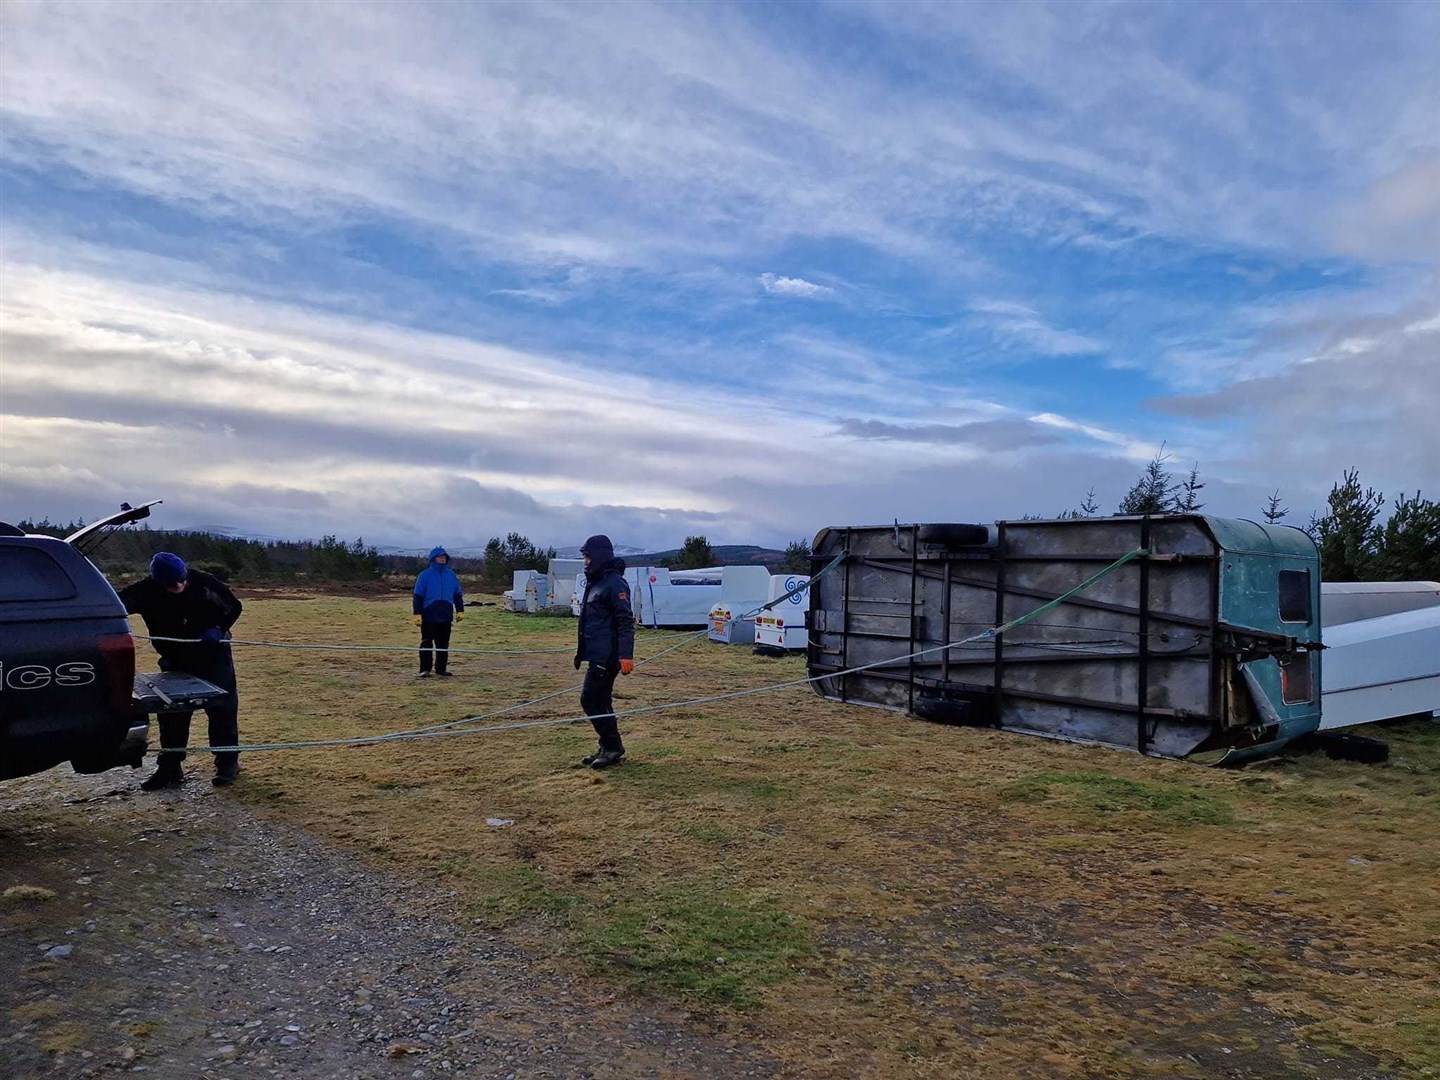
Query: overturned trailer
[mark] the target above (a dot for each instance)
(1198, 635)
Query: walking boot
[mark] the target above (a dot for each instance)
(605, 758)
(225, 775)
(589, 759)
(167, 774)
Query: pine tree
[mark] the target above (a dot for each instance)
(1347, 534)
(1273, 510)
(1153, 492)
(1186, 497)
(696, 553)
(1409, 544)
(797, 558)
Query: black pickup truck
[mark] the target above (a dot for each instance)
(68, 686)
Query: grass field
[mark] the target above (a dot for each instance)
(864, 893)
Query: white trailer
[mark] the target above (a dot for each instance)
(743, 589)
(665, 598)
(525, 587)
(562, 575)
(662, 597)
(784, 627)
(1381, 668)
(1352, 601)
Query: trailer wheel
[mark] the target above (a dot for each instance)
(950, 711)
(954, 535)
(1340, 747)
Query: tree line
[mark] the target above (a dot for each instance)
(1356, 541)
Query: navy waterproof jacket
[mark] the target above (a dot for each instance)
(437, 591)
(206, 602)
(607, 622)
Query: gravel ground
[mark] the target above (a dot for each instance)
(187, 938)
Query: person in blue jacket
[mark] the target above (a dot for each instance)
(438, 602)
(607, 640)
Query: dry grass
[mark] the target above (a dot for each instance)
(862, 892)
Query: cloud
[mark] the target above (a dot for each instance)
(299, 423)
(637, 135)
(1368, 395)
(789, 286)
(1020, 325)
(1399, 217)
(995, 436)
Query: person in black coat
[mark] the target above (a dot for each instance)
(178, 602)
(607, 641)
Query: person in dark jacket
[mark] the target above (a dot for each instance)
(438, 602)
(607, 640)
(178, 602)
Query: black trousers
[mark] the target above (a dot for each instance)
(597, 699)
(435, 641)
(217, 666)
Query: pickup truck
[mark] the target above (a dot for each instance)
(68, 686)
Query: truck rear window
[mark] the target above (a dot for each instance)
(27, 573)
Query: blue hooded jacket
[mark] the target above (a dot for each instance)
(437, 591)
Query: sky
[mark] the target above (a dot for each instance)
(426, 273)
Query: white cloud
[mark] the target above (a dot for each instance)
(1367, 395)
(626, 135)
(1021, 325)
(790, 286)
(217, 403)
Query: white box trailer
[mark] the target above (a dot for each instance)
(524, 590)
(562, 575)
(1381, 668)
(785, 627)
(1352, 601)
(672, 598)
(743, 589)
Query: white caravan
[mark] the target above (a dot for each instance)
(1378, 669)
(784, 628)
(1351, 601)
(743, 589)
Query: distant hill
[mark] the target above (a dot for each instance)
(725, 555)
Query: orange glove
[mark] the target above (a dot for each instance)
(627, 666)
(459, 616)
(416, 620)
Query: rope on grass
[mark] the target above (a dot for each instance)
(455, 727)
(379, 648)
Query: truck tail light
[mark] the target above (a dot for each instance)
(117, 653)
(1296, 687)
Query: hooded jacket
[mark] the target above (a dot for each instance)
(206, 602)
(606, 633)
(437, 591)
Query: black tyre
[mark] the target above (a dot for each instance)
(954, 535)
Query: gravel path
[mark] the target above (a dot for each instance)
(186, 938)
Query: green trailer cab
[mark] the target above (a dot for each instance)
(1201, 638)
(1270, 582)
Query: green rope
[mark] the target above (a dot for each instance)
(1129, 556)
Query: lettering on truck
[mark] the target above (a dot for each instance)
(38, 676)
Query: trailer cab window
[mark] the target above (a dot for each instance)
(1296, 685)
(1295, 596)
(29, 574)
